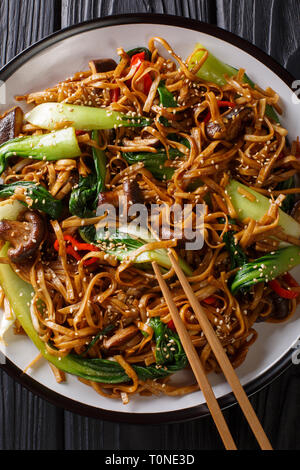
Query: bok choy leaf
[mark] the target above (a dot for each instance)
(41, 199)
(83, 199)
(123, 242)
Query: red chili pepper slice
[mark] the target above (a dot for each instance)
(221, 104)
(290, 280)
(171, 325)
(77, 246)
(136, 61)
(80, 246)
(210, 300)
(115, 95)
(147, 83)
(70, 251)
(226, 104)
(207, 117)
(281, 291)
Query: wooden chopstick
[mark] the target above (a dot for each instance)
(196, 365)
(222, 358)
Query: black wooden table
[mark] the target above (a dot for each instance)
(28, 422)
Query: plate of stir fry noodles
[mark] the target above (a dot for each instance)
(160, 117)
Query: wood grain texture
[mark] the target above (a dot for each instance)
(271, 25)
(25, 419)
(23, 23)
(75, 11)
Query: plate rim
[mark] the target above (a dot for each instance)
(194, 412)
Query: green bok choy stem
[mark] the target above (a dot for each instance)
(85, 118)
(53, 146)
(267, 268)
(214, 70)
(258, 208)
(122, 242)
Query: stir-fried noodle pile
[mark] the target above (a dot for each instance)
(210, 135)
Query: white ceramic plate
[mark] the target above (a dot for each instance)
(58, 57)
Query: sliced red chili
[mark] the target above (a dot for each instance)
(115, 95)
(210, 300)
(226, 104)
(136, 61)
(281, 291)
(207, 117)
(76, 246)
(171, 325)
(290, 280)
(147, 83)
(80, 246)
(70, 251)
(221, 104)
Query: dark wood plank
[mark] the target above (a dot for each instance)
(75, 11)
(22, 24)
(26, 420)
(271, 25)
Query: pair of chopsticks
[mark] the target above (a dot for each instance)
(220, 355)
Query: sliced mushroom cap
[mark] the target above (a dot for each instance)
(138, 142)
(11, 125)
(132, 192)
(24, 235)
(120, 337)
(280, 308)
(102, 65)
(109, 197)
(235, 122)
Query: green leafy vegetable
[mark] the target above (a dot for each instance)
(139, 50)
(99, 157)
(95, 340)
(123, 242)
(53, 146)
(156, 163)
(83, 199)
(49, 115)
(258, 208)
(289, 201)
(167, 100)
(267, 268)
(237, 255)
(214, 70)
(168, 349)
(42, 200)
